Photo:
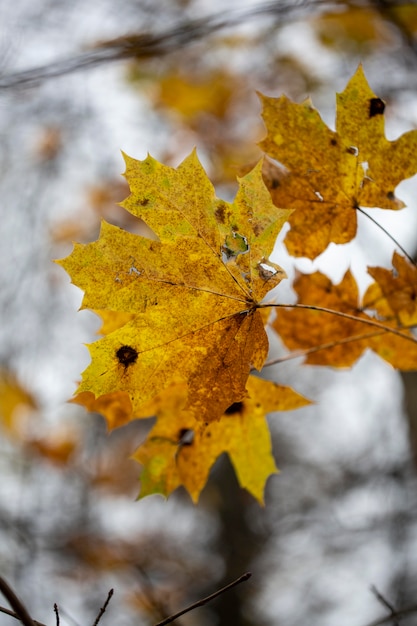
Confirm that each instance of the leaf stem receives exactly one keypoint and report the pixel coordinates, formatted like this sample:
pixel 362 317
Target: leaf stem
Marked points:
pixel 388 234
pixel 324 346
pixel 355 318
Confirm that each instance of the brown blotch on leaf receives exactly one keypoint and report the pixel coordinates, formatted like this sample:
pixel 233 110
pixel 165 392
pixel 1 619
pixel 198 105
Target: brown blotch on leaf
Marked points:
pixel 220 213
pixel 126 355
pixel 376 107
pixel 144 202
pixel 236 407
pixel 333 142
pixel 391 195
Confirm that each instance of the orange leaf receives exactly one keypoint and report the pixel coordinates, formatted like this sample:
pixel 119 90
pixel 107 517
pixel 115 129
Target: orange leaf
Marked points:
pixel 331 339
pixel 398 288
pixel 331 173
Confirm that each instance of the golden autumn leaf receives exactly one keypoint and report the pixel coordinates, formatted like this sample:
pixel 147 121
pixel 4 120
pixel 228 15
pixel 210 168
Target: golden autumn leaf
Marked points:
pixel 331 173
pixel 329 338
pixel 180 450
pixel 394 294
pixel 193 294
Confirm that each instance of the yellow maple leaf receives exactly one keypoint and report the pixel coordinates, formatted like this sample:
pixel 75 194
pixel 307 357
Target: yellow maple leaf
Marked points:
pixel 193 294
pixel 180 450
pixel 394 294
pixel 331 173
pixel 332 339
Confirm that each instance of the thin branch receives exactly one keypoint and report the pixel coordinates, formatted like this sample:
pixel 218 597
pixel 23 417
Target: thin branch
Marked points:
pixel 382 600
pixel 103 608
pixel 204 601
pixel 13 614
pixel 148 45
pixel 56 613
pixel 398 615
pixel 388 234
pixel 355 318
pixel 16 604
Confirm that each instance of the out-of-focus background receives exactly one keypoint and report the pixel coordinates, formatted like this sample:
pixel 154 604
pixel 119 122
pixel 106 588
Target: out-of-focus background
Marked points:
pixel 79 82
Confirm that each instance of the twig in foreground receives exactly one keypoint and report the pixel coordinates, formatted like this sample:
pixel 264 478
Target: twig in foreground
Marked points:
pixel 103 608
pixel 239 580
pixel 56 613
pixel 15 603
pixel 13 614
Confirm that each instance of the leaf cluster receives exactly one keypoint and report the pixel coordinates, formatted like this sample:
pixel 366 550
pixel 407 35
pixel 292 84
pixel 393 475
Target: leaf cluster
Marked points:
pixel 186 311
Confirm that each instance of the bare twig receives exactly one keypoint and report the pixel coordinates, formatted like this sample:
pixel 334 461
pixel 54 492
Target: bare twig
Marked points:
pixel 398 615
pixel 103 608
pixel 204 601
pixel 382 600
pixel 13 614
pixel 15 603
pixel 56 613
pixel 146 45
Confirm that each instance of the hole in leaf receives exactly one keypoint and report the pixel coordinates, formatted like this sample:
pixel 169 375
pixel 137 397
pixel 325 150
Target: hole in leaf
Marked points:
pixel 234 245
pixel 236 407
pixel 266 271
pixel 185 437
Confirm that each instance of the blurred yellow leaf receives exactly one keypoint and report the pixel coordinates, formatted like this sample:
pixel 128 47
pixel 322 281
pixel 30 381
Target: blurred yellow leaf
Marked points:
pixel 16 403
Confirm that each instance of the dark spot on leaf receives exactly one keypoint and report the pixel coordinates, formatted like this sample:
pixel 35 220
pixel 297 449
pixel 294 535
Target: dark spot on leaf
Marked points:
pixel 186 437
pixel 352 150
pixel 236 407
pixel 126 355
pixel 257 229
pixel 144 202
pixel 376 107
pixel 413 296
pixel 220 213
pixel 391 195
pixel 274 183
pixel 333 142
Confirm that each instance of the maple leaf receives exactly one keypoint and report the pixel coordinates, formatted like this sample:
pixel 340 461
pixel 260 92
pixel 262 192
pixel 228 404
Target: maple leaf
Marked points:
pixel 179 450
pixel 394 294
pixel 192 295
pixel 331 173
pixel 335 339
